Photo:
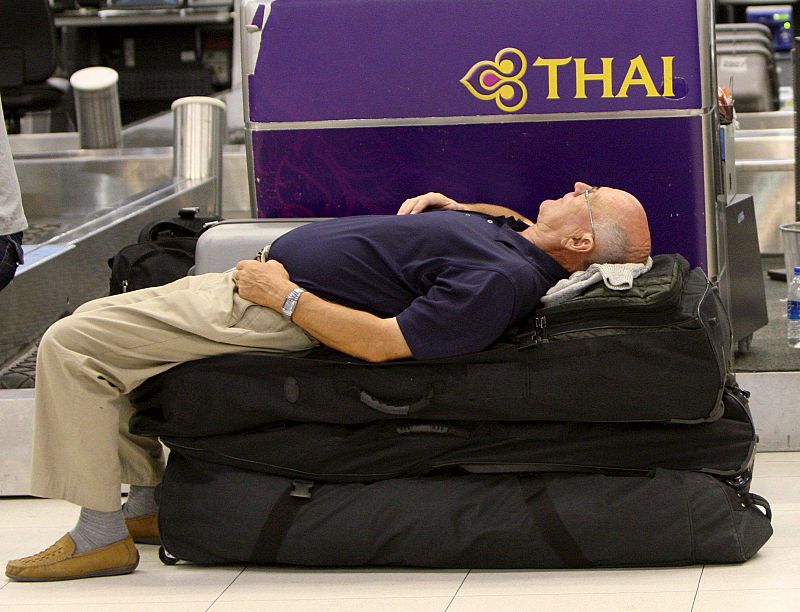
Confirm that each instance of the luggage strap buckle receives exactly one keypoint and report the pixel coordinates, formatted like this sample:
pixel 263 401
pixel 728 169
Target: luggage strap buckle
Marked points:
pixel 301 489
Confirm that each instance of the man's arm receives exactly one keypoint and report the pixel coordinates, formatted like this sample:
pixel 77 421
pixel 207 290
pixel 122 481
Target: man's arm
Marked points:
pixel 355 332
pixel 440 201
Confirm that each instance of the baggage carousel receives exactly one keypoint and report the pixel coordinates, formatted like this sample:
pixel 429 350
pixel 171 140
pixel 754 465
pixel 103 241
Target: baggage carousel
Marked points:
pixel 85 205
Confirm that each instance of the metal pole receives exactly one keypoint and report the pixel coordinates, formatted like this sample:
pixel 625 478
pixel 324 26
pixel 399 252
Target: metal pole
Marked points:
pixel 796 87
pixel 200 134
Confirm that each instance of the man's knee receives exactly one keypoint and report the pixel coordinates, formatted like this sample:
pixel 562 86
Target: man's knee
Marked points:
pixel 69 332
pixel 53 334
pixel 91 305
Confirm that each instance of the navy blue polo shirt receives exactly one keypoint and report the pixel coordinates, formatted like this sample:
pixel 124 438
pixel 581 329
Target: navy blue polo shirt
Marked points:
pixel 455 281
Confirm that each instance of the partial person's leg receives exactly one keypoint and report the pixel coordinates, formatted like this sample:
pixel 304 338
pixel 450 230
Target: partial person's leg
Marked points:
pixel 140 510
pixel 89 361
pixel 10 257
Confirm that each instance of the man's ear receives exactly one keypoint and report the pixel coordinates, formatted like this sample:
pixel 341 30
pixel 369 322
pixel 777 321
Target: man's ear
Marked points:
pixel 580 244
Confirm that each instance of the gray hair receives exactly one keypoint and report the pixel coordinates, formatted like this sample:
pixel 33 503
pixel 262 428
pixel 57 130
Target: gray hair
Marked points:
pixel 612 244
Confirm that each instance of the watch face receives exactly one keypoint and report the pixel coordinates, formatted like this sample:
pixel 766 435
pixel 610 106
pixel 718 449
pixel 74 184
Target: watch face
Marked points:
pixel 290 303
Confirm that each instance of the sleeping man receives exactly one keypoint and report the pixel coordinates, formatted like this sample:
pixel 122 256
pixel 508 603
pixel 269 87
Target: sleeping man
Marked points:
pixel 379 288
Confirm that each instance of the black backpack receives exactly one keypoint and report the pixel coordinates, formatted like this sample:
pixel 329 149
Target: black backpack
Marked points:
pixel 164 253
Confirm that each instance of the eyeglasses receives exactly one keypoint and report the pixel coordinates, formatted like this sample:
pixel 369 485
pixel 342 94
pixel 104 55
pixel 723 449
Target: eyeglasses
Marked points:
pixel 589 206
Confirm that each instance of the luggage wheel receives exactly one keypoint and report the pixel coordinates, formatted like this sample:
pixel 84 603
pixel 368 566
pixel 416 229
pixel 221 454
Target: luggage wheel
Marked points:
pixel 166 558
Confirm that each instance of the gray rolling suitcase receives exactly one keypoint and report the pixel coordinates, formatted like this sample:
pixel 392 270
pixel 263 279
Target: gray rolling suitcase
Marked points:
pixel 223 245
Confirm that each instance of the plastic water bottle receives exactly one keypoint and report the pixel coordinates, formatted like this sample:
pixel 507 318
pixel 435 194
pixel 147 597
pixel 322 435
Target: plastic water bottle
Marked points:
pixel 793 311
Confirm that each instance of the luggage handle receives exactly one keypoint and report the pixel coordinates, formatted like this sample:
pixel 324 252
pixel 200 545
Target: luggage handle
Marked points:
pixel 394 410
pixel 762 503
pixel 433 428
pixel 391 409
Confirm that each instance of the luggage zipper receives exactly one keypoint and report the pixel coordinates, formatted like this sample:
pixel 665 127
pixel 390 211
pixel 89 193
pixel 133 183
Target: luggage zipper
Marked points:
pixel 485 467
pixel 540 330
pixel 536 468
pixel 286 472
pixel 542 334
pixel 282 470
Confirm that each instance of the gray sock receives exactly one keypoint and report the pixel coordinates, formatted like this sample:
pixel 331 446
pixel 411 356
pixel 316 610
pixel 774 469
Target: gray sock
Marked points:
pixel 96 529
pixel 141 502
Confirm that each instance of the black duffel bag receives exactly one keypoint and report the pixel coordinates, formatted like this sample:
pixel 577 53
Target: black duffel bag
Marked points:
pixel 657 352
pixel 212 513
pixel 402 448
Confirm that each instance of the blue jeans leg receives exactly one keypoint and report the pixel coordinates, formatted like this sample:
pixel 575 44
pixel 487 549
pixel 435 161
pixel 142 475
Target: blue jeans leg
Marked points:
pixel 10 257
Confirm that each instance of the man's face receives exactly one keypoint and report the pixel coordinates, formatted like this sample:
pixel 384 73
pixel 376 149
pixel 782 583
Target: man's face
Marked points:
pixel 569 213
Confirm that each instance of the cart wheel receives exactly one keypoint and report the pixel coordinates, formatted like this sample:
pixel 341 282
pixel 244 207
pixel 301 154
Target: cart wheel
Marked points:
pixel 166 558
pixel 743 345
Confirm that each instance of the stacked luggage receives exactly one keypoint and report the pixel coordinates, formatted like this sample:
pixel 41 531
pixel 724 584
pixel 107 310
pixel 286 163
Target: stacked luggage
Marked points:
pixel 607 430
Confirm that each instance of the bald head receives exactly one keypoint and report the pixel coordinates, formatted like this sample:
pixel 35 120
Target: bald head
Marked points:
pixel 592 225
pixel 621 228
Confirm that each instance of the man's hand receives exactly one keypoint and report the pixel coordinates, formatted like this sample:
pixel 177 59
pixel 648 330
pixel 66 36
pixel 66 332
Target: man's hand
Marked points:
pixel 412 206
pixel 350 331
pixel 266 284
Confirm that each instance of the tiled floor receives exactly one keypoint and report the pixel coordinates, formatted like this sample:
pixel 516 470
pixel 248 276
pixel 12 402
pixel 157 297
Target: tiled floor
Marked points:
pixel 770 582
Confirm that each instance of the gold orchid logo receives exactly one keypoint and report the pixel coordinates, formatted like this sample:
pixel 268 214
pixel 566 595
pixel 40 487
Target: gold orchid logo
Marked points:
pixel 500 80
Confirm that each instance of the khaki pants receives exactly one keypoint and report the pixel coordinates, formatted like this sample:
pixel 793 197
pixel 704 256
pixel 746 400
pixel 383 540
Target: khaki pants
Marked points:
pixel 90 360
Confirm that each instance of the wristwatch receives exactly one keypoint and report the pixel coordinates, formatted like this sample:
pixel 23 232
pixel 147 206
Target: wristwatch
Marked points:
pixel 290 303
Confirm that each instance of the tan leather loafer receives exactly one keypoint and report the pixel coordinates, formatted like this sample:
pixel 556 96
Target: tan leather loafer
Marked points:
pixel 59 562
pixel 144 529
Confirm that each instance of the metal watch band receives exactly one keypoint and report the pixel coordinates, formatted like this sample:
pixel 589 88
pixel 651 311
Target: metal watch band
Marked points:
pixel 290 303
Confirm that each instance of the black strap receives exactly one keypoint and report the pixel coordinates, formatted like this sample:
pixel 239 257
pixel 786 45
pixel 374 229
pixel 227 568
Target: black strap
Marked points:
pixel 279 522
pixel 553 529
